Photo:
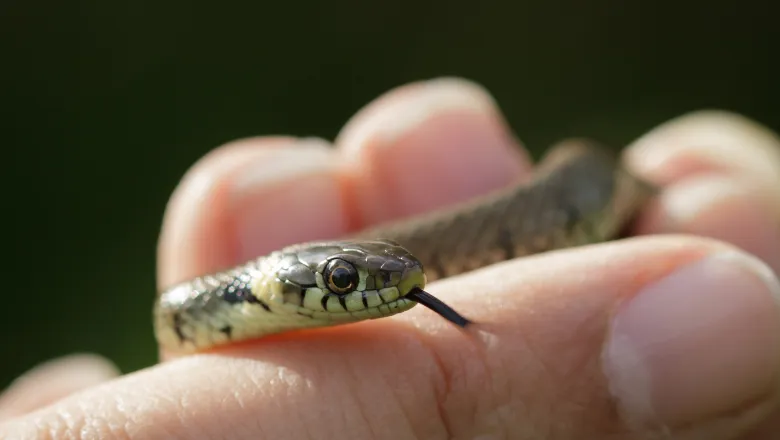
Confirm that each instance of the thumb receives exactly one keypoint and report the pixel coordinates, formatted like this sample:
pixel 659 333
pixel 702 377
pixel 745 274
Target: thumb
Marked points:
pixel 674 336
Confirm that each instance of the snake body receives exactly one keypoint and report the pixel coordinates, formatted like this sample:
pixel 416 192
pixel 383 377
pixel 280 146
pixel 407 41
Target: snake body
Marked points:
pixel 580 195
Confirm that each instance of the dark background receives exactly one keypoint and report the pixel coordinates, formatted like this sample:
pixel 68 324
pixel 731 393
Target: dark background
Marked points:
pixel 106 104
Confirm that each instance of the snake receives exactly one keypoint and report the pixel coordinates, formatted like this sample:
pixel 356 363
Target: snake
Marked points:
pixel 579 194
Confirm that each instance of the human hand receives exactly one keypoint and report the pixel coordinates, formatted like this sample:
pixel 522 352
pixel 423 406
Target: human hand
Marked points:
pixel 657 334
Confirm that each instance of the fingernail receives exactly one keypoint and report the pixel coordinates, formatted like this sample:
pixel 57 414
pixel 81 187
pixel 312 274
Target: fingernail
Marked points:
pixel 706 140
pixel 696 197
pixel 703 341
pixel 287 196
pixel 306 156
pixel 399 112
pixel 452 123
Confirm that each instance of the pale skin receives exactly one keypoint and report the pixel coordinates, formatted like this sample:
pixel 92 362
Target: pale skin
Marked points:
pixel 674 332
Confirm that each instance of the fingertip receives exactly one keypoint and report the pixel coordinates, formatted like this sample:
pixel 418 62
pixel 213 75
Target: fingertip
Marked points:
pixel 707 141
pixel 400 110
pixel 426 145
pixel 246 199
pixel 691 375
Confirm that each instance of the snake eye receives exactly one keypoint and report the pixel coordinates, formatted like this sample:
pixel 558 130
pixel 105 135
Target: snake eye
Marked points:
pixel 341 276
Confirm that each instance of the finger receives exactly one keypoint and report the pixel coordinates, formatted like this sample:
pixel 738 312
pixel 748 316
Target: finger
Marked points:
pixel 52 381
pixel 690 348
pixel 707 141
pixel 251 197
pixel 721 178
pixel 246 199
pixel 426 145
pixel 728 208
pixel 582 343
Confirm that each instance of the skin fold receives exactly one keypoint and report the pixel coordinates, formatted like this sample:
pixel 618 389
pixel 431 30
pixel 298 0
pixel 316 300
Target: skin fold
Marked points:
pixel 673 332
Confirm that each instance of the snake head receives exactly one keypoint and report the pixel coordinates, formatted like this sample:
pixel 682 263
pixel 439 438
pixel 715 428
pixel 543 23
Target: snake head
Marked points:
pixel 349 280
pixel 354 280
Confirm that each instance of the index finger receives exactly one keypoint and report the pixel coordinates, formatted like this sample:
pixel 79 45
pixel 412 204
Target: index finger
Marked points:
pixel 251 197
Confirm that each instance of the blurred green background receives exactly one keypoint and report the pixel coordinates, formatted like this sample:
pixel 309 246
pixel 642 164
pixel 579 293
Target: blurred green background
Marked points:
pixel 106 104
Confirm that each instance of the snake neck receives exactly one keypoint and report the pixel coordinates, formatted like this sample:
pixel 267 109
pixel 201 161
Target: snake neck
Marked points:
pixel 226 306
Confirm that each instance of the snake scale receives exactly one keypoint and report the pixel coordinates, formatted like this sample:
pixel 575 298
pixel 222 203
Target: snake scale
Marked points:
pixel 579 195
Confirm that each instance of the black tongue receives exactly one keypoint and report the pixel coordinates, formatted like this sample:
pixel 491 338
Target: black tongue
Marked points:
pixel 433 303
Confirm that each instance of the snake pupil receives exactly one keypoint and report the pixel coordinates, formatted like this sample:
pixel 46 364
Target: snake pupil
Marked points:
pixel 341 278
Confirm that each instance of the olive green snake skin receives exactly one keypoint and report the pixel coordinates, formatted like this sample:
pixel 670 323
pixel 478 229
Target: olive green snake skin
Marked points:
pixel 579 195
